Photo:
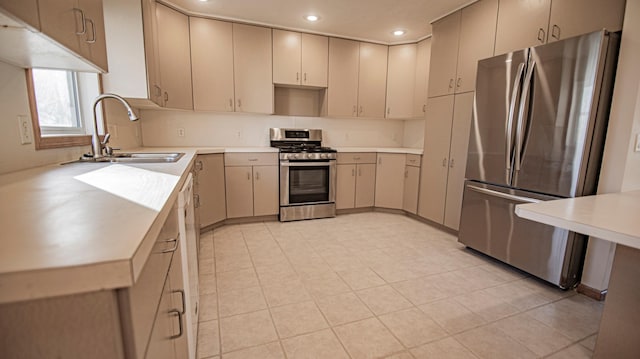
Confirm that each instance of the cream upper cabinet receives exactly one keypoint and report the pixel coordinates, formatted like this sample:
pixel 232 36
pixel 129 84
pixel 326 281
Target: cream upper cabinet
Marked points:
pixel 78 25
pixel 211 189
pixel 423 60
pixel 444 55
pixel 575 17
pixel 372 80
pixel 25 10
pixel 212 64
pixel 175 58
pixel 445 150
pixel 300 59
pixel 459 41
pixel 390 180
pixel 401 81
pixel 523 23
pixel 343 77
pixel 252 61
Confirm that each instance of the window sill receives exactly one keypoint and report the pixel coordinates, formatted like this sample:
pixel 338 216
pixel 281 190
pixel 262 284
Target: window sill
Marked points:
pixel 47 142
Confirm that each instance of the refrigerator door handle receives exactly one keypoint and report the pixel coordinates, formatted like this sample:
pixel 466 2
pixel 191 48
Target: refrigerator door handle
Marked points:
pixel 509 125
pixel 507 196
pixel 520 126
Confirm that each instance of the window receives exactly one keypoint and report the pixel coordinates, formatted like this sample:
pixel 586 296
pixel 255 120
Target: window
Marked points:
pixel 61 107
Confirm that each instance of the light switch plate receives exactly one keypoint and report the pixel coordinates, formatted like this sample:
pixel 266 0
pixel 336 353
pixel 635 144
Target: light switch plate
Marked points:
pixel 24 124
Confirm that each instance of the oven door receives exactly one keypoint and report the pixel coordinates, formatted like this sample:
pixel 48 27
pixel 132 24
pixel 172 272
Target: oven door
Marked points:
pixel 307 182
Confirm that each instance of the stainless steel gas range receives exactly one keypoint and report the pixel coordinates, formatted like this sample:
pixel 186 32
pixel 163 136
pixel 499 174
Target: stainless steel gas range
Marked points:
pixel 307 174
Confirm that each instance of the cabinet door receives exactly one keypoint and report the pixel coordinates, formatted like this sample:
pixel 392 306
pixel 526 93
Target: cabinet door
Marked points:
pixel 477 37
pixel 151 50
pixel 343 78
pixel 93 44
pixel 180 325
pixel 161 345
pixel 462 114
pixel 346 186
pixel 423 59
pixel 521 24
pixel 315 60
pixel 175 58
pixel 287 48
pixel 365 185
pixel 401 79
pixel 372 80
pixel 239 191
pixel 211 189
pixel 265 190
pixel 576 17
pixel 61 22
pixel 25 10
pixel 212 64
pixel 411 183
pixel 390 180
pixel 435 161
pixel 444 55
pixel 252 68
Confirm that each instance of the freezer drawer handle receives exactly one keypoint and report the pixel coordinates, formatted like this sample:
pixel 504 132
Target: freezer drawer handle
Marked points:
pixel 503 195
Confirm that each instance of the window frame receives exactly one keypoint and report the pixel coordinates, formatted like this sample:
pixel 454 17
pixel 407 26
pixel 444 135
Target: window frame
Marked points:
pixel 63 140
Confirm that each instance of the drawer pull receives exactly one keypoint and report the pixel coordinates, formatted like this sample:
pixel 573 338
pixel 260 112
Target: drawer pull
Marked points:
pixel 83 21
pixel 175 311
pixel 253 159
pixel 182 297
pixel 175 245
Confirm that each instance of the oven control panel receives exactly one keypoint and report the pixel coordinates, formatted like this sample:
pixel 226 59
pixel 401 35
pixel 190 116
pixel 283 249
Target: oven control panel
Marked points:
pixel 312 156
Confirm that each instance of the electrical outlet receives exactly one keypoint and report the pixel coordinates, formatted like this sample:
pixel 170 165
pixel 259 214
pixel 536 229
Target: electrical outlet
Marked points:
pixel 25 129
pixel 180 132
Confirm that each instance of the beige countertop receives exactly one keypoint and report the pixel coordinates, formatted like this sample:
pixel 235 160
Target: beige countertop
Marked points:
pixel 613 217
pixel 412 151
pixel 82 227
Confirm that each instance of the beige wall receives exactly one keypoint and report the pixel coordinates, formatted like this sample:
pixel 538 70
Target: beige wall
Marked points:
pixel 621 165
pixel 160 128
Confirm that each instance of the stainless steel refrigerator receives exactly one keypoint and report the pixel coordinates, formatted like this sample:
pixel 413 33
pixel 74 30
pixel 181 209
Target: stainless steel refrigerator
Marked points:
pixel 537 134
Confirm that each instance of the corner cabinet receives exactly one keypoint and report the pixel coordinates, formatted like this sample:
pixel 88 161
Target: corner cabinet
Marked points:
pixel 523 23
pixel 445 156
pixel 300 59
pixel 252 184
pixel 174 58
pixel 420 92
pixel 356 180
pixel 401 81
pixel 459 41
pixel 211 189
pixel 390 180
pixel 357 79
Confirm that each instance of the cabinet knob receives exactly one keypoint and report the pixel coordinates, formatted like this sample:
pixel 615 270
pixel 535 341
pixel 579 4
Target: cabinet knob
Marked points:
pixel 257 176
pixel 297 76
pixel 458 82
pixel 450 84
pixel 360 172
pixel 444 162
pixel 83 21
pixel 231 104
pixel 93 33
pixel 305 77
pixel 166 96
pixel 451 163
pixel 424 108
pixel 239 103
pixel 354 110
pixel 199 165
pixel 360 113
pixel 179 314
pixel 388 110
pixel 248 176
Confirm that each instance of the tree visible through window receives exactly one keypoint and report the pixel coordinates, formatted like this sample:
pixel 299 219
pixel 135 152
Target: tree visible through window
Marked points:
pixel 56 94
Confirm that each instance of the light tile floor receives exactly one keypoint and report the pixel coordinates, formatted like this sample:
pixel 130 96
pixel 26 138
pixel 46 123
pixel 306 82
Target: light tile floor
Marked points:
pixel 376 285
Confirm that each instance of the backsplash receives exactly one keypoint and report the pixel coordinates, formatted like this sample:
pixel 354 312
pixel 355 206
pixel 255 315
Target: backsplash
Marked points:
pixel 163 127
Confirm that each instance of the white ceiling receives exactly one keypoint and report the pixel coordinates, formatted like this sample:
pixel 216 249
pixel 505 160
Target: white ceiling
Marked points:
pixel 371 20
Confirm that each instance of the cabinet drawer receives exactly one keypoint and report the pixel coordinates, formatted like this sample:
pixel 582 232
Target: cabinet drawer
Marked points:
pixel 413 160
pixel 356 157
pixel 250 159
pixel 140 302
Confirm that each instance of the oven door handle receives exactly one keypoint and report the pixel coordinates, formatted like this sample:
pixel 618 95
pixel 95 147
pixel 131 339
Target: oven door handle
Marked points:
pixel 306 164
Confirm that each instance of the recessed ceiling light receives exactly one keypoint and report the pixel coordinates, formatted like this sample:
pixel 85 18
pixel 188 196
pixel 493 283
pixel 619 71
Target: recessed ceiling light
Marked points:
pixel 312 18
pixel 399 32
pixel 203 0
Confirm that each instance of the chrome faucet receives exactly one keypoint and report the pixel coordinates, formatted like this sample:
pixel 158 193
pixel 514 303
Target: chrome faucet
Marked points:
pixel 96 145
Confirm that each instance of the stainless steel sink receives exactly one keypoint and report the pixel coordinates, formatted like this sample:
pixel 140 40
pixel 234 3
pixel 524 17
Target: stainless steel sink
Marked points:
pixel 138 157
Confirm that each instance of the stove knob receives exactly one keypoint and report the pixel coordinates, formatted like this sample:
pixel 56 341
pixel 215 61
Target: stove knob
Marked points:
pixel 309 155
pixel 295 155
pixel 323 155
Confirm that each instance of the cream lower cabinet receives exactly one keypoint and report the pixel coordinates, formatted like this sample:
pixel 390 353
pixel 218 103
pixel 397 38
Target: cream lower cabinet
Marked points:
pixel 390 180
pixel 140 321
pixel 523 23
pixel 411 184
pixel 211 189
pixel 445 155
pixel 356 180
pixel 252 184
